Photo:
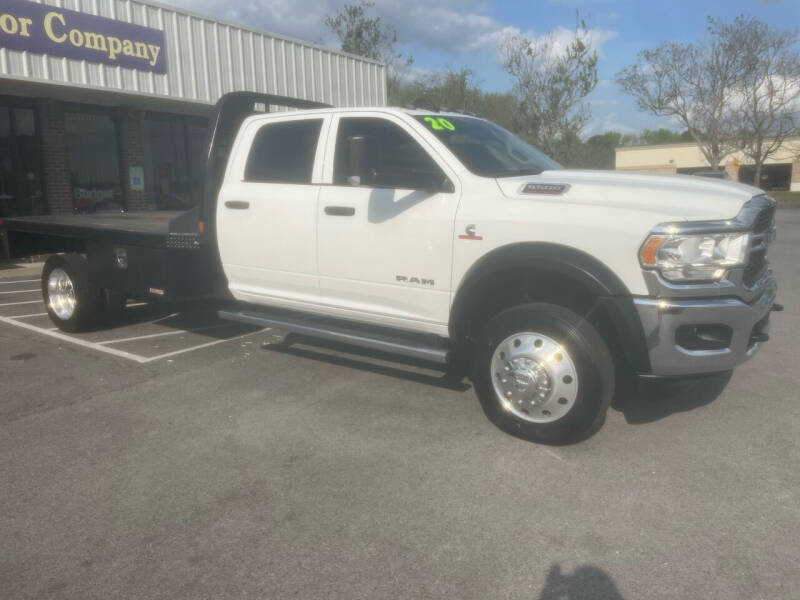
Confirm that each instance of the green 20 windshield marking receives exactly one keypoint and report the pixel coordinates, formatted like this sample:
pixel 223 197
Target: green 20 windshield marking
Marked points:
pixel 440 123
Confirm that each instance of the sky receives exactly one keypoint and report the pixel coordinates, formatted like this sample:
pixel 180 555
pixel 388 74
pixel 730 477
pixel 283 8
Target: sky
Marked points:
pixel 441 34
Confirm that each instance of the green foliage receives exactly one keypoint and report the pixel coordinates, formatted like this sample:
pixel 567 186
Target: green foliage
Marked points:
pixel 546 108
pixel 661 136
pixel 361 34
pixel 551 87
pixel 458 90
pixel 366 36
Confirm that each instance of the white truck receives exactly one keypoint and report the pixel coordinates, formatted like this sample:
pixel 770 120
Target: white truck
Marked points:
pixel 442 237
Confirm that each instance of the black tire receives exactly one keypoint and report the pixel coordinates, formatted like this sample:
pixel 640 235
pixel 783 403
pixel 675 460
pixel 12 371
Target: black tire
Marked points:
pixel 588 353
pixel 89 300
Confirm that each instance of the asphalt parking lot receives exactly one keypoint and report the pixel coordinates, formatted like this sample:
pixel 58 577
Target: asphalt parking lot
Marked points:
pixel 178 456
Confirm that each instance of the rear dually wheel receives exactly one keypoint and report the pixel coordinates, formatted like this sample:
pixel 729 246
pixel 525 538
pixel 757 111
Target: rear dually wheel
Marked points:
pixel 72 302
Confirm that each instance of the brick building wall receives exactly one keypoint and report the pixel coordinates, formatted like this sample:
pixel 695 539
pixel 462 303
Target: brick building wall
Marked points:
pixel 55 162
pixel 131 138
pixel 55 168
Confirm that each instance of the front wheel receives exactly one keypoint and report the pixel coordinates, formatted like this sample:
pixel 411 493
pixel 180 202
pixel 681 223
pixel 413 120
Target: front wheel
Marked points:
pixel 543 373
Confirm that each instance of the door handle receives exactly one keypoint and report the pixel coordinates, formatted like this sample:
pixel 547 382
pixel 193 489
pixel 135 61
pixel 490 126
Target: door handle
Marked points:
pixel 237 205
pixel 340 211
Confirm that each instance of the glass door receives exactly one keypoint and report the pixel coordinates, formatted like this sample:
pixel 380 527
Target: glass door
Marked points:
pixel 174 160
pixel 93 154
pixel 20 171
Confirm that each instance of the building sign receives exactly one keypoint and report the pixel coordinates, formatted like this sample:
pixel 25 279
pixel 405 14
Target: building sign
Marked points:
pixel 56 31
pixel 136 176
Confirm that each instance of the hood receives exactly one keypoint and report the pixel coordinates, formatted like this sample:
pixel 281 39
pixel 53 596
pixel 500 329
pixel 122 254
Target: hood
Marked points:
pixel 680 197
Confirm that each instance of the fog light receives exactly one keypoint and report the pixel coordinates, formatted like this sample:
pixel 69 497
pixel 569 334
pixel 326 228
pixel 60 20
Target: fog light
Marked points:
pixel 704 337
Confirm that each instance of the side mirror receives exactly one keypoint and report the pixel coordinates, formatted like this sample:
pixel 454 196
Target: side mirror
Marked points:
pixel 447 186
pixel 357 155
pixel 436 183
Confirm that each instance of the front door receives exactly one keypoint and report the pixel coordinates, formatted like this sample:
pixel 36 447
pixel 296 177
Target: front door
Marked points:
pixel 20 173
pixel 385 237
pixel 267 212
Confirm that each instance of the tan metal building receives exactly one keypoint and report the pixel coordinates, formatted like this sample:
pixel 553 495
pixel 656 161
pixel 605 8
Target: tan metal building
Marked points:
pixel 781 171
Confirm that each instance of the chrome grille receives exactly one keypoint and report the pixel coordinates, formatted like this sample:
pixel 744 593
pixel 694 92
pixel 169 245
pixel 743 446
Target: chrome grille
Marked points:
pixel 763 232
pixel 765 220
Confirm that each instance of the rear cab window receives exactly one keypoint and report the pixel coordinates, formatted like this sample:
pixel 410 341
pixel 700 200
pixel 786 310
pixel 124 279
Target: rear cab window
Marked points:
pixel 284 152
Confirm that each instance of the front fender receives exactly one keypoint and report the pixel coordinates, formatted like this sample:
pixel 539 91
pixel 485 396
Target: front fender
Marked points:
pixel 563 262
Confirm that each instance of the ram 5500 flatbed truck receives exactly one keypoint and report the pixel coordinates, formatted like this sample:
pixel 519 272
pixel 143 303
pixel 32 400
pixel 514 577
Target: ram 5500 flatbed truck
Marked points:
pixel 441 237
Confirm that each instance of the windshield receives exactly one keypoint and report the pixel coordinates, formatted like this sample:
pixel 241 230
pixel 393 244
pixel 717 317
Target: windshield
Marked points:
pixel 487 149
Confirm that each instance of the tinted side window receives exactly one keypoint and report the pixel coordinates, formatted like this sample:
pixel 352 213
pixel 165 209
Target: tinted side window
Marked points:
pixel 284 152
pixel 394 158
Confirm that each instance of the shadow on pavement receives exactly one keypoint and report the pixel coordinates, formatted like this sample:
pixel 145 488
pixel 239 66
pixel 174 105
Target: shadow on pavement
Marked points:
pixel 587 582
pixel 646 401
pixel 185 315
pixel 7 265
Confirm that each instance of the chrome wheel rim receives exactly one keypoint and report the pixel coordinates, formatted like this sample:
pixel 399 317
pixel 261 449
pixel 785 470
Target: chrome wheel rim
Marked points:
pixel 61 294
pixel 534 377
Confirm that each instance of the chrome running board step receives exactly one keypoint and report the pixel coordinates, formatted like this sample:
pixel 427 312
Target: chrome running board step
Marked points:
pixel 420 347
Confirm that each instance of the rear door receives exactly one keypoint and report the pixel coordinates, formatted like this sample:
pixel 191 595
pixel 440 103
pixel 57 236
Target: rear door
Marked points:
pixel 386 238
pixel 267 211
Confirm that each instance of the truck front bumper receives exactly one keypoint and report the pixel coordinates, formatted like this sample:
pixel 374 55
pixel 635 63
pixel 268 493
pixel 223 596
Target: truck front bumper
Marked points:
pixel 693 337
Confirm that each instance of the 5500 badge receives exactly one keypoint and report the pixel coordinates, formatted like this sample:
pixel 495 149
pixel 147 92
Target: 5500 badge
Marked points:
pixel 44 29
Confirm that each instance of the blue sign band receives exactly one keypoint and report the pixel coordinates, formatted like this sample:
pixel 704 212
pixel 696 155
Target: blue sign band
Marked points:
pixel 44 29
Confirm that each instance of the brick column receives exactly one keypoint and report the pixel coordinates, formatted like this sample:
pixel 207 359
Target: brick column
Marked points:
pixel 131 134
pixel 57 186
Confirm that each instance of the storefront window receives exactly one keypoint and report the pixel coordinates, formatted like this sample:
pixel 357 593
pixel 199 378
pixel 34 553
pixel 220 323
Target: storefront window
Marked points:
pixel 174 155
pixel 93 154
pixel 20 173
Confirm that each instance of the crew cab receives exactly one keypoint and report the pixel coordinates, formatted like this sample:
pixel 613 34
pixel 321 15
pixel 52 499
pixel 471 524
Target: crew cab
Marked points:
pixel 442 237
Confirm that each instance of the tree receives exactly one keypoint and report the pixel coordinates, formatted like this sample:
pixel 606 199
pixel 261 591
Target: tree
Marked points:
pixel 366 36
pixel 601 149
pixel 457 89
pixel 694 83
pixel 661 136
pixel 768 89
pixel 550 86
pixel 361 34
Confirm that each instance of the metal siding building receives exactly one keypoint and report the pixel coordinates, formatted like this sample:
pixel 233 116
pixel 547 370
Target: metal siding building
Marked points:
pixel 81 131
pixel 207 58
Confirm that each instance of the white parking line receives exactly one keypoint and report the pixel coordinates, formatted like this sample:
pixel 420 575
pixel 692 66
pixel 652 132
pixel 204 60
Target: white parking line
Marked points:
pixel 164 318
pixel 104 346
pixel 206 345
pixel 155 335
pixel 17 303
pixel 30 315
pixel 18 281
pixel 20 291
pixel 66 338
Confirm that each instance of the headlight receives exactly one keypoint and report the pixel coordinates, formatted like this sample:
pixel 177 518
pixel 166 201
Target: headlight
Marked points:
pixel 702 257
